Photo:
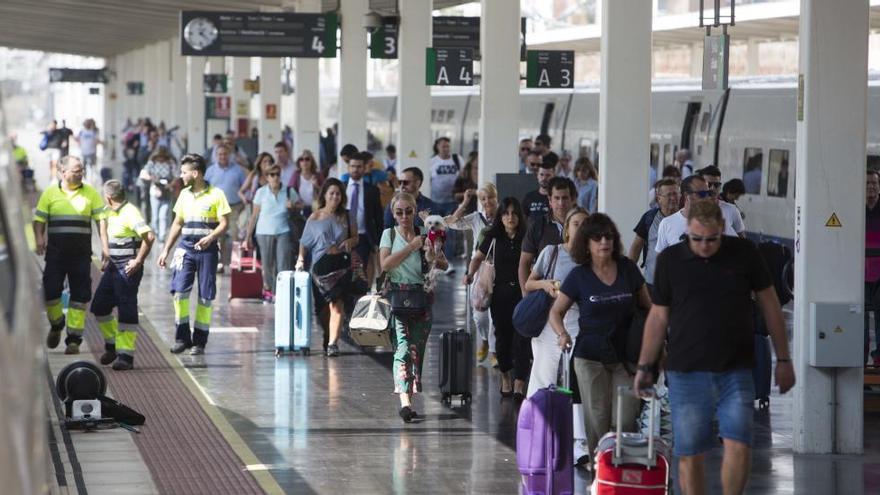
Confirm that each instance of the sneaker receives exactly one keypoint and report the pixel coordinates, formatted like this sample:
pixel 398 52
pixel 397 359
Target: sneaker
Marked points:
pixel 581 453
pixel 483 351
pixel 332 350
pixel 180 346
pixel 72 348
pixel 122 364
pixel 108 357
pixel 53 339
pixel 197 350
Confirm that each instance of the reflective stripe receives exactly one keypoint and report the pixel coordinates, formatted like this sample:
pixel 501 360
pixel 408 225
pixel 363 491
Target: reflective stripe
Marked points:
pixel 122 252
pixel 200 219
pixel 140 225
pixel 107 317
pixel 78 305
pixel 202 326
pixel 70 230
pixel 205 302
pixel 98 210
pixel 128 327
pixel 123 240
pixel 41 214
pixel 181 295
pixel 189 231
pixel 81 218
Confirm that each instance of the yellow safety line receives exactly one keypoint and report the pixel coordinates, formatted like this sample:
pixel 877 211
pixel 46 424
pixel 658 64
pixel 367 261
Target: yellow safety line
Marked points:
pixel 263 477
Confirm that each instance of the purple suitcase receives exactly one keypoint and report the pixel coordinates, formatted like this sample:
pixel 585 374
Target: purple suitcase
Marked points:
pixel 545 440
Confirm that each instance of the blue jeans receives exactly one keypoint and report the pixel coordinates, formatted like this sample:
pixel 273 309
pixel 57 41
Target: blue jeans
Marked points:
pixel 160 216
pixel 696 397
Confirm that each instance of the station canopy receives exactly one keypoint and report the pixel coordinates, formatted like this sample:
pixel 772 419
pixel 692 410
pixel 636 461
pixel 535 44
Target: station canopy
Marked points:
pixel 104 28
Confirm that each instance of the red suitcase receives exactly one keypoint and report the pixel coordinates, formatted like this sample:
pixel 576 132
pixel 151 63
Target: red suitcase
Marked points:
pixel 246 277
pixel 632 463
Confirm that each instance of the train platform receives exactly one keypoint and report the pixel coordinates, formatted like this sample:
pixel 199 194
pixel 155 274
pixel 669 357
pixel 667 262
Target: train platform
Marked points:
pixel 239 420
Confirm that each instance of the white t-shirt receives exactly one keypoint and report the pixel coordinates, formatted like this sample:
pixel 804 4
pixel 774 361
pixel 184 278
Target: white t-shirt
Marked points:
pixel 732 217
pixel 674 226
pixel 306 191
pixel 444 171
pixel 475 222
pixel 88 141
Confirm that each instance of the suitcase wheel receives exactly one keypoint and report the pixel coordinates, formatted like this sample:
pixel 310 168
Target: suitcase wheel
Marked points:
pixel 465 399
pixel 306 351
pixel 446 399
pixel 764 403
pixel 279 351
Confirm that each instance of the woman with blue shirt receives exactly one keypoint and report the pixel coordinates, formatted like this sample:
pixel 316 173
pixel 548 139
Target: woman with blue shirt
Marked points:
pixel 270 210
pixel 586 180
pixel 606 287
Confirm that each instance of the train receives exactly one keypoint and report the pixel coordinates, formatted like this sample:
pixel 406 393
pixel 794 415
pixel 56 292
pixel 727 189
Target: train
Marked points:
pixel 748 131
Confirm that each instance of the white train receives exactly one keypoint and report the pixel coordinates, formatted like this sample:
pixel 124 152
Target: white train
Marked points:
pixel 748 130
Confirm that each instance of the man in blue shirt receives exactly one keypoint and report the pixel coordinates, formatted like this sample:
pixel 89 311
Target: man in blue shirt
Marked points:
pixel 410 182
pixel 228 177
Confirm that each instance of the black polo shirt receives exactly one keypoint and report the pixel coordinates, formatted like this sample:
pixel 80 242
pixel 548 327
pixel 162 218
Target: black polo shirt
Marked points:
pixel 543 231
pixel 710 308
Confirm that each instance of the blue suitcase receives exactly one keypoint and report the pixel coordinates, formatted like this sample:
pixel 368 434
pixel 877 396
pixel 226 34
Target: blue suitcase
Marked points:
pixel 293 312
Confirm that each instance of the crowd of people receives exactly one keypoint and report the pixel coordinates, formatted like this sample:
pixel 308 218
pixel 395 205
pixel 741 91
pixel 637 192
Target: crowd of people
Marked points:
pixel 360 224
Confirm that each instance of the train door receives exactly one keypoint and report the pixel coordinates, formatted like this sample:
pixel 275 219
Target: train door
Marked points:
pixel 691 124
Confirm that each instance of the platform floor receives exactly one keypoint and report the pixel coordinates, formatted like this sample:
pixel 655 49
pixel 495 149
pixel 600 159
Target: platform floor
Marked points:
pixel 320 425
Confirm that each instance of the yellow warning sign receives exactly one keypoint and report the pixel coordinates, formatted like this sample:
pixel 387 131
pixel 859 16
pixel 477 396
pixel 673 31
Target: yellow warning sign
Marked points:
pixel 833 221
pixel 412 154
pixel 838 329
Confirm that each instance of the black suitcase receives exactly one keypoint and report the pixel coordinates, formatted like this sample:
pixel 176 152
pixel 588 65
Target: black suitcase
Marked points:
pixel 762 370
pixel 456 366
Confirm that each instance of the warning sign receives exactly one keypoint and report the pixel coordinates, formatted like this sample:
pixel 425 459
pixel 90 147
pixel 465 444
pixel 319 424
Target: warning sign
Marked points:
pixel 833 221
pixel 412 154
pixel 838 329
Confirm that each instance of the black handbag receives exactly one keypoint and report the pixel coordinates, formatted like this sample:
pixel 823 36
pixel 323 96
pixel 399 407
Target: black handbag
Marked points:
pixel 408 302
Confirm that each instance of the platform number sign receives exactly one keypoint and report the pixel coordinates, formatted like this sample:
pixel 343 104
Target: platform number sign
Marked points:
pixel 550 69
pixel 383 42
pixel 449 67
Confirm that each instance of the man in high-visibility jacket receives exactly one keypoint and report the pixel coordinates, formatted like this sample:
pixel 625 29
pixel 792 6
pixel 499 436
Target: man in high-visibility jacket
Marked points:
pixel 63 232
pixel 130 240
pixel 201 218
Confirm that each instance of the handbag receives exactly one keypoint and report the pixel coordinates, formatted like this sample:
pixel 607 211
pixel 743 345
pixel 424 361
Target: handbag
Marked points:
pixel 332 270
pixel 484 281
pixel 296 223
pixel 370 323
pixel 412 301
pixel 531 313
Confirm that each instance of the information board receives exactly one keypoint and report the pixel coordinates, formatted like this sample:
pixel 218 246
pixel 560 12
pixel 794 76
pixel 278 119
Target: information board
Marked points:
pixel 218 107
pixel 383 42
pixel 135 87
pixel 464 32
pixel 57 75
pixel 449 67
pixel 258 34
pixel 550 69
pixel 214 83
pixel 716 61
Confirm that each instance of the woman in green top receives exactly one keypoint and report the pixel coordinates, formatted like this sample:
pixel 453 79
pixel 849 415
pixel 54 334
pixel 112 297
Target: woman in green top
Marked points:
pixel 401 259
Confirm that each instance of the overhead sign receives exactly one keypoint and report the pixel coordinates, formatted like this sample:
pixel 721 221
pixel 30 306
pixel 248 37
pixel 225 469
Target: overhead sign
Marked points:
pixel 716 61
pixel 252 85
pixel 258 34
pixel 550 69
pixel 383 42
pixel 78 75
pixel 94 91
pixel 217 107
pixel 214 83
pixel 464 32
pixel 135 87
pixel 449 67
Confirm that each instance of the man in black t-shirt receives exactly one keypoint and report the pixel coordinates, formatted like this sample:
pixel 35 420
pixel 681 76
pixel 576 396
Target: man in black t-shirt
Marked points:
pixel 546 230
pixel 702 294
pixel 537 203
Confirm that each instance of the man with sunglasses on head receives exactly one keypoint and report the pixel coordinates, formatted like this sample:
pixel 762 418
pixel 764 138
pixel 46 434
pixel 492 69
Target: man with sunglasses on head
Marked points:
pixel 648 227
pixel 732 217
pixel 702 310
pixel 410 182
pixel 525 146
pixel 672 229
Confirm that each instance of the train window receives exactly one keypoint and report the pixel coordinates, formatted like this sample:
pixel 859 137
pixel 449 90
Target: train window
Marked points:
pixel 777 174
pixel 753 161
pixel 667 155
pixel 873 162
pixel 7 272
pixel 704 122
pixel 655 155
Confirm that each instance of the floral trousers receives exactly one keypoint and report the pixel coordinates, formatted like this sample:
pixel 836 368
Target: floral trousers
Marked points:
pixel 412 338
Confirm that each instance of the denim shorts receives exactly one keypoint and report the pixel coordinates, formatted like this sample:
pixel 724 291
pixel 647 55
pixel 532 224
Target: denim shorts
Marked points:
pixel 696 397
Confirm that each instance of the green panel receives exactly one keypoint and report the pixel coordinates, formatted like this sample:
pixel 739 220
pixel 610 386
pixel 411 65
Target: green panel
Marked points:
pixel 330 41
pixel 430 66
pixel 377 50
pixel 532 69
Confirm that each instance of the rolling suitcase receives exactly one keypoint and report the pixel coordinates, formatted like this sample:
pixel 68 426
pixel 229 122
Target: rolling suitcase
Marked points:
pixel 293 312
pixel 246 279
pixel 545 439
pixel 631 463
pixel 762 370
pixel 456 366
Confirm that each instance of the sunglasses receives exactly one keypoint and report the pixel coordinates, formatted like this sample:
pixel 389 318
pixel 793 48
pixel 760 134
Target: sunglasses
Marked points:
pixel 704 194
pixel 273 174
pixel 707 239
pixel 405 182
pixel 404 213
pixel 602 235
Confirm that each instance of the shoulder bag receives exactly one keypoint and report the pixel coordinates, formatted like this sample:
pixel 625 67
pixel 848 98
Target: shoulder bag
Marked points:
pixel 484 281
pixel 531 313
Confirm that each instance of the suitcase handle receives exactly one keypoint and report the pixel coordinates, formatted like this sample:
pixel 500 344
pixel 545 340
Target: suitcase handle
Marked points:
pixel 618 445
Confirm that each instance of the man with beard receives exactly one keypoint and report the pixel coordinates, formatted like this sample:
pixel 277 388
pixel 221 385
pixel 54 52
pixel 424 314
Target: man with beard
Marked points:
pixel 536 203
pixel 201 218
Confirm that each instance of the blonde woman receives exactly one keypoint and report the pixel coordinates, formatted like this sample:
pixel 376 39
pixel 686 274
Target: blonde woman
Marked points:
pixel 476 222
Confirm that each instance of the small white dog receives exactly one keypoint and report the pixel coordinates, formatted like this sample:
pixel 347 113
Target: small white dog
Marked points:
pixel 436 235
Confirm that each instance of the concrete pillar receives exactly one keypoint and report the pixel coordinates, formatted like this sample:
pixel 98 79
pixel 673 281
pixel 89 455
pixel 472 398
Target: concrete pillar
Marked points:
pixel 270 99
pixel 135 72
pixel 180 98
pixel 306 124
pixel 697 59
pixel 118 84
pixel 753 57
pixel 624 110
pixel 353 76
pixel 499 99
pixel 195 71
pixel 110 128
pixel 163 82
pixel 413 95
pixel 828 404
pixel 241 70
